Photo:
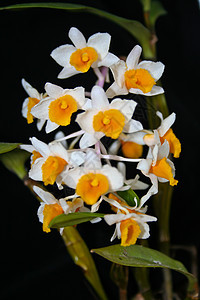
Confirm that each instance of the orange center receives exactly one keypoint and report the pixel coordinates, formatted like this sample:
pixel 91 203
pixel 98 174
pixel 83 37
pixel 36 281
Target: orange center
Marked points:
pixel 50 211
pixel 91 186
pixel 52 167
pixel 174 143
pixel 131 149
pixel 35 156
pixel 110 122
pixel 130 230
pixel 139 79
pixel 61 109
pixel 162 169
pixel 83 58
pixel 31 103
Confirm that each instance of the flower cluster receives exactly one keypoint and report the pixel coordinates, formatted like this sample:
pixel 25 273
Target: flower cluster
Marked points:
pixel 85 165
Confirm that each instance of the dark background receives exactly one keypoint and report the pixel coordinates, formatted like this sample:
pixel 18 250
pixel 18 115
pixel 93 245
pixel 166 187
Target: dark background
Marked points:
pixel 35 263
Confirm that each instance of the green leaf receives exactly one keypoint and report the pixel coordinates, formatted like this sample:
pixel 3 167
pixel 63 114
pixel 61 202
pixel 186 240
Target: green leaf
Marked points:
pixel 135 28
pixel 156 11
pixel 6 147
pixel 14 161
pixel 139 256
pixel 130 197
pixel 71 219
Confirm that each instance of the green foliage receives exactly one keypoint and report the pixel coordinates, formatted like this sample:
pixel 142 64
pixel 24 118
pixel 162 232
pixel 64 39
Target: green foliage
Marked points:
pixel 135 28
pixel 6 147
pixel 130 197
pixel 71 219
pixel 14 160
pixel 139 256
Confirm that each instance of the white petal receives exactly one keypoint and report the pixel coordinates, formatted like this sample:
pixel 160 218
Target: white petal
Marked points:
pixel 72 177
pixel 100 42
pixel 95 207
pixel 28 148
pixel 108 60
pixel 51 126
pixel 32 92
pixel 144 227
pixel 118 71
pixel 163 150
pixel 77 38
pixel 41 110
pixel 113 149
pixel 133 57
pixel 40 146
pixel 144 165
pixel 115 90
pixel 57 149
pixel 68 72
pixel 115 234
pixel 135 137
pixel 115 178
pixel 114 218
pixel 122 168
pixel 155 68
pixel 152 191
pixel 126 107
pixel 59 135
pixel 40 123
pixel 53 90
pixel 36 170
pixel 77 158
pixel 45 196
pixel 25 108
pixel 166 123
pixel 40 212
pixel 154 91
pixel 99 98
pixel 85 121
pixel 62 54
pixel 87 140
pixel 78 94
pixel 92 160
pixel 132 126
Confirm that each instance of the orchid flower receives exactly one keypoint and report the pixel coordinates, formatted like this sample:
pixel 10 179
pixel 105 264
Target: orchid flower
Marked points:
pixel 51 207
pixel 106 119
pixel 78 58
pixel 93 180
pixel 131 222
pixel 158 167
pixel 49 161
pixel 34 98
pixel 59 106
pixel 136 77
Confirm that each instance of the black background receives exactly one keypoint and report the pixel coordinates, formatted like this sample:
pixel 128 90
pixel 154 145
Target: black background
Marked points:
pixel 34 263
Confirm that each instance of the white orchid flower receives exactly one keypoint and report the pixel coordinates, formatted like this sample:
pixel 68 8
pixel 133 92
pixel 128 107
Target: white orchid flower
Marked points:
pixel 50 161
pixel 106 119
pixel 51 207
pixel 164 132
pixel 131 222
pixel 78 58
pixel 34 98
pixel 59 106
pixel 93 180
pixel 136 77
pixel 158 167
